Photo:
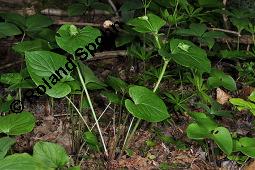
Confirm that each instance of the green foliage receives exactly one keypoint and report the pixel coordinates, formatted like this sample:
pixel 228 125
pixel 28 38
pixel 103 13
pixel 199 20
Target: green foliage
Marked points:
pixel 8 29
pixel 50 154
pixel 200 31
pixel 149 23
pixel 46 156
pixel 91 140
pixel 165 35
pixel 43 64
pixel 5 145
pixel 82 6
pixel 205 127
pixel 219 78
pixel 112 97
pixel 70 38
pixel 17 124
pixel 117 84
pixel 22 161
pixel 34 45
pixel 146 105
pixel 36 22
pixel 245 105
pixel 91 81
pixel 186 54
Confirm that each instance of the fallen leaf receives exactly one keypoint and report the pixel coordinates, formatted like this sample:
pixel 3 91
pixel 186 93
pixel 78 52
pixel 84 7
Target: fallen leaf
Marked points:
pixel 221 96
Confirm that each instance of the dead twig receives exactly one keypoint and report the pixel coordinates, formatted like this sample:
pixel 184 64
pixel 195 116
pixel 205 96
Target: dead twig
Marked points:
pixel 61 22
pixel 10 65
pixel 225 30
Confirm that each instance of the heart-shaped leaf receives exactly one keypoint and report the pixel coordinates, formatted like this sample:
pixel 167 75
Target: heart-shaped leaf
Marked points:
pixel 223 139
pixel 71 38
pixel 5 145
pixel 44 65
pixel 147 23
pixel 17 124
pixel 147 105
pixel 51 154
pixel 187 54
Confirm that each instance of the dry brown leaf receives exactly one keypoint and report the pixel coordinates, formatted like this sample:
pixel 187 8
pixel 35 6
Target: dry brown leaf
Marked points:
pixel 221 96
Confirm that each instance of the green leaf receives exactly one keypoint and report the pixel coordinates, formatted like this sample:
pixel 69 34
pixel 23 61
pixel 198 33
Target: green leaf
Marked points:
pixel 247 146
pixel 242 104
pixel 139 52
pixel 210 3
pixel 117 84
pixel 194 30
pixel 148 23
pixel 46 34
pixel 15 18
pixel 219 78
pixel 223 139
pixel 102 6
pixel 76 9
pixel 17 124
pixel 71 43
pixel 236 54
pixel 8 29
pixel 36 22
pixel 240 23
pixel 147 105
pixel 22 161
pixel 43 64
pixel 5 145
pixel 11 78
pixel 112 97
pixel 187 54
pixel 74 168
pixel 90 138
pixel 203 120
pixel 124 39
pixel 33 45
pixel 252 96
pixel 51 154
pixel 194 131
pixel 91 81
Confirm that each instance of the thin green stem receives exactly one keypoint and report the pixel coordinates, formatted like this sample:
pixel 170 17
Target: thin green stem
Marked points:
pixel 157 40
pixel 238 43
pixel 253 38
pixel 126 143
pixel 161 75
pixel 70 101
pixel 92 110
